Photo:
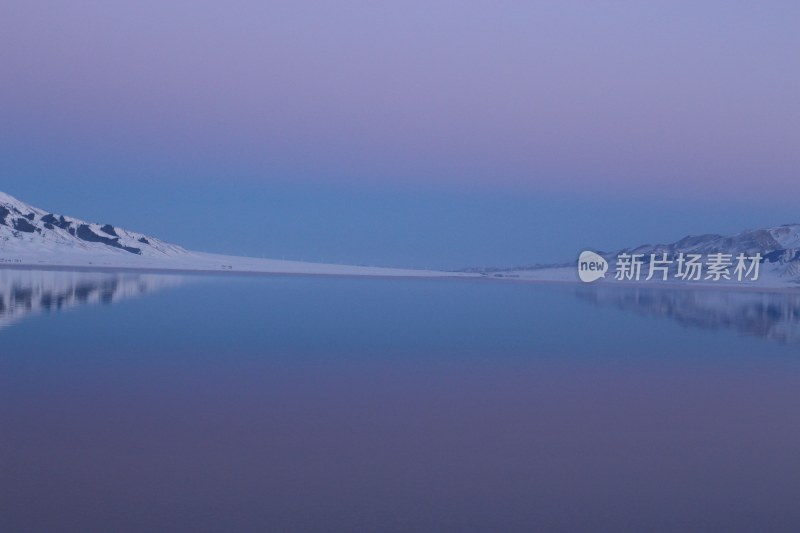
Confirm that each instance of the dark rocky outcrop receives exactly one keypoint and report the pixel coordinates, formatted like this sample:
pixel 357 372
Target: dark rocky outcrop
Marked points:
pixel 109 230
pixel 85 233
pixel 22 224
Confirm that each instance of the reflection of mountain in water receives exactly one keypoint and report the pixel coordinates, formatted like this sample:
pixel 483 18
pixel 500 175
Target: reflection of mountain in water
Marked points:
pixel 25 292
pixel 772 316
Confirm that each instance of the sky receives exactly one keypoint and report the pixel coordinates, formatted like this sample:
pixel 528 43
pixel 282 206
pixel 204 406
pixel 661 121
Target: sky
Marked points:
pixel 416 133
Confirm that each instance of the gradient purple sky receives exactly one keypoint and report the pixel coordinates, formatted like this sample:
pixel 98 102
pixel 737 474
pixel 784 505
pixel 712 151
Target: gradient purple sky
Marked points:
pixel 656 102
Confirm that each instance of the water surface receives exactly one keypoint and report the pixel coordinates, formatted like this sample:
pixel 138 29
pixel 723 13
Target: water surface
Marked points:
pixel 150 403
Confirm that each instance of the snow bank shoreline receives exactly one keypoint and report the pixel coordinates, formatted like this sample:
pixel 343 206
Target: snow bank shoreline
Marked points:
pixel 195 263
pixel 203 263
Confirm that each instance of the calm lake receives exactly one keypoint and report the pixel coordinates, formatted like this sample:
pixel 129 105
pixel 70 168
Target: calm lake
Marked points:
pixel 142 402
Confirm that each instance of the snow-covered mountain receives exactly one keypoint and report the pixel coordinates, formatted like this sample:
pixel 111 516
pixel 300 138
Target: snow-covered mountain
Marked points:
pixel 33 237
pixel 24 228
pixel 779 248
pixel 779 244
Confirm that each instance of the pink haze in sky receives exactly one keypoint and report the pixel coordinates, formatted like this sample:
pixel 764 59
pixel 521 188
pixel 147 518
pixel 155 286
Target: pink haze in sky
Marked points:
pixel 682 98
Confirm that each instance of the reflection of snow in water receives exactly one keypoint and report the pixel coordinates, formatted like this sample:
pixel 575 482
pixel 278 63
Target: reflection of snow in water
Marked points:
pixel 769 315
pixel 27 292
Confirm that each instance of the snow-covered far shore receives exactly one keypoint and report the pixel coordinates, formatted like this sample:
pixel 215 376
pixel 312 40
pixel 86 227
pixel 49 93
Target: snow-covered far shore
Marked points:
pixel 770 255
pixel 205 263
pixel 31 237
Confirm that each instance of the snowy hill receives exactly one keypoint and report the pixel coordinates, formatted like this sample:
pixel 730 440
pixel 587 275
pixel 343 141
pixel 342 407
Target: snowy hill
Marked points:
pixel 778 246
pixel 767 240
pixel 24 228
pixel 30 236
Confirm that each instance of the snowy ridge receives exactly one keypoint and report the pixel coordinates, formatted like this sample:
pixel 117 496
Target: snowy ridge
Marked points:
pixel 779 248
pixel 24 228
pixel 30 236
pixel 786 237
